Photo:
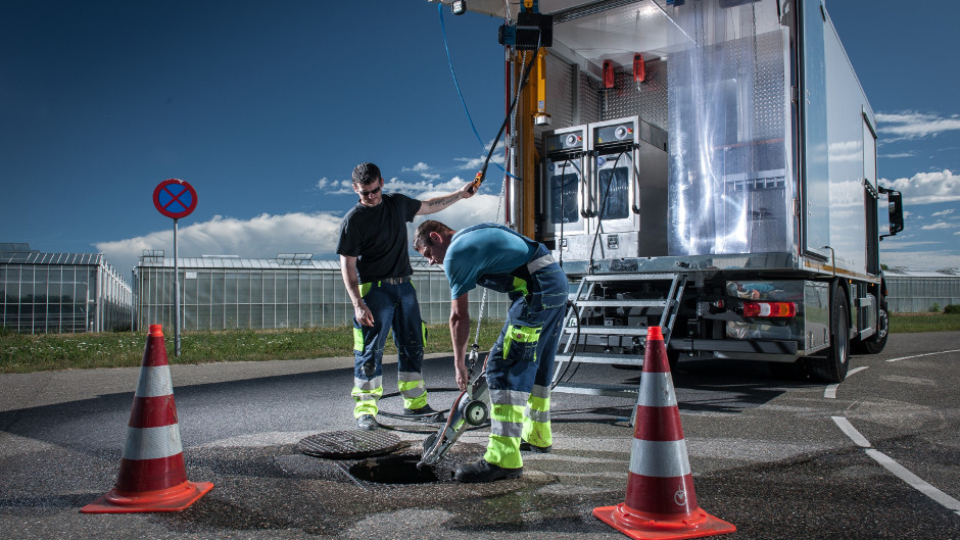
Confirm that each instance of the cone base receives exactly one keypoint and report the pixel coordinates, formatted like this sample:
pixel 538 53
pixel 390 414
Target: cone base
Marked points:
pixel 643 526
pixel 174 499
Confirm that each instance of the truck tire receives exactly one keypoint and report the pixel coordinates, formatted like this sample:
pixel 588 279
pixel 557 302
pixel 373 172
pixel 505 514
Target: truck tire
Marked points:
pixel 832 368
pixel 875 343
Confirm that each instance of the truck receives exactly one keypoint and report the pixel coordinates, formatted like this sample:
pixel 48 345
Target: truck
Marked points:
pixel 705 166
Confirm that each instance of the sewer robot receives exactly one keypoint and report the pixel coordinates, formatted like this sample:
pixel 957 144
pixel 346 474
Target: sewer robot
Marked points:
pixel 469 409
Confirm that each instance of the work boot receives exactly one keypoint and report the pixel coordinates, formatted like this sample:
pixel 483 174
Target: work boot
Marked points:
pixel 426 413
pixel 367 422
pixel 528 447
pixel 482 471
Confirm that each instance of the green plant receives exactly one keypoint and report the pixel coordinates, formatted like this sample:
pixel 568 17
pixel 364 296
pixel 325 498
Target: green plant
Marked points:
pixel 952 309
pixel 935 308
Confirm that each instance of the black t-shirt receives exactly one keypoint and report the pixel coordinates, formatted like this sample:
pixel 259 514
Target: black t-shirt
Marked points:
pixel 378 237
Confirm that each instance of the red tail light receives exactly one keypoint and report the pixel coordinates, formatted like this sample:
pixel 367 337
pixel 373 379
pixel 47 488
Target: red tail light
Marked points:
pixel 770 310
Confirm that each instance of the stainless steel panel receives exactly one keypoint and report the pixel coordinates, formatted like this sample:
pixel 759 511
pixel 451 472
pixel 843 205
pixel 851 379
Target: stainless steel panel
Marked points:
pixel 816 316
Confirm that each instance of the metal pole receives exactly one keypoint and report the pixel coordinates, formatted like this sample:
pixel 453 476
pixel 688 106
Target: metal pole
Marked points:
pixel 176 294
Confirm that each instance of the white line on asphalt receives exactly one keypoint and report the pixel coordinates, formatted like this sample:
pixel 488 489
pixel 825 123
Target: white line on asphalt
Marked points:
pixel 919 355
pixel 915 481
pixel 898 470
pixel 830 392
pixel 846 427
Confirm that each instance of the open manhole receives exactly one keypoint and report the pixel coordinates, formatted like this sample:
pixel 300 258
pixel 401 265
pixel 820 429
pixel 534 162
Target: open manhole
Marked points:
pixel 399 469
pixel 350 444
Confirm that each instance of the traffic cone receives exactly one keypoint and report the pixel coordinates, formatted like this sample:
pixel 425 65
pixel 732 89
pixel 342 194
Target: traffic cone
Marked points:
pixel 660 502
pixel 153 477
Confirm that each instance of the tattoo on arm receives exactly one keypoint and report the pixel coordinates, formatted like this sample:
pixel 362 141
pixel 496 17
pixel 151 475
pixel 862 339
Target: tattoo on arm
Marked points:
pixel 444 201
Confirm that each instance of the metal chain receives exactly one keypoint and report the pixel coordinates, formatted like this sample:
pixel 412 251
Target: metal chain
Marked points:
pixel 503 191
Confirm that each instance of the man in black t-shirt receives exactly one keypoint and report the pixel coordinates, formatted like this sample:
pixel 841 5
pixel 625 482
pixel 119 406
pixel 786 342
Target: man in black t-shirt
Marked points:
pixel 375 266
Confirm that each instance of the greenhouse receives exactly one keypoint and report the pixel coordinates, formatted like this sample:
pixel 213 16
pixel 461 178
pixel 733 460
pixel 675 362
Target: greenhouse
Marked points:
pixel 293 290
pixel 61 292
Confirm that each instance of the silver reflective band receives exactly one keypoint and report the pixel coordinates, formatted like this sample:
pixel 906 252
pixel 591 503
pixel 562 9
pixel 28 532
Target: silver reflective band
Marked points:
pixel 656 390
pixel 152 443
pixel 508 397
pixel 372 384
pixel 505 429
pixel 542 417
pixel 659 459
pixel 154 381
pixel 537 264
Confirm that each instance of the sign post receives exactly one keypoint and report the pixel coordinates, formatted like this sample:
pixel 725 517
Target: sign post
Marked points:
pixel 175 199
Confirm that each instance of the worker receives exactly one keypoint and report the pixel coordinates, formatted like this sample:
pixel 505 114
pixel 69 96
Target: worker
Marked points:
pixel 376 271
pixel 519 366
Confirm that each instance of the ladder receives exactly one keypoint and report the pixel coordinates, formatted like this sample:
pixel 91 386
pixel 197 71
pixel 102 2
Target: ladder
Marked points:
pixel 624 305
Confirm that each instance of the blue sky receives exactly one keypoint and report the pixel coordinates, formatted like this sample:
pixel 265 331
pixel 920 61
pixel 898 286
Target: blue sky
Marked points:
pixel 265 108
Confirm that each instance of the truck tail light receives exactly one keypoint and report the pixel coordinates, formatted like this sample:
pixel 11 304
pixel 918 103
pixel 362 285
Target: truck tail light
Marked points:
pixel 770 310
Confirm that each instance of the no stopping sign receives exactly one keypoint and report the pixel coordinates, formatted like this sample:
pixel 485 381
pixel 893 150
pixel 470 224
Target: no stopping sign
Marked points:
pixel 175 198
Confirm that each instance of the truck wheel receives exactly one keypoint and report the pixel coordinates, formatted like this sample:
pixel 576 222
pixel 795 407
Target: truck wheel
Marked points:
pixel 875 343
pixel 833 367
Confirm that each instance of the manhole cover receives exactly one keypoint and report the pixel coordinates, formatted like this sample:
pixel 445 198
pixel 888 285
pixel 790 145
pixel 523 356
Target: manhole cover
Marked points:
pixel 350 444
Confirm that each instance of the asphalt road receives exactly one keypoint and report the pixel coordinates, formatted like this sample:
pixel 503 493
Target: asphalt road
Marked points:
pixel 875 457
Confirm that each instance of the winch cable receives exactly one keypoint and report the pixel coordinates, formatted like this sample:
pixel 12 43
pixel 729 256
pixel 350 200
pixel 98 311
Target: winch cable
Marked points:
pixel 456 84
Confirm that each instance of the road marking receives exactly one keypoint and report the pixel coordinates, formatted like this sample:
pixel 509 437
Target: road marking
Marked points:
pixel 915 481
pixel 830 392
pixel 898 470
pixel 919 355
pixel 846 427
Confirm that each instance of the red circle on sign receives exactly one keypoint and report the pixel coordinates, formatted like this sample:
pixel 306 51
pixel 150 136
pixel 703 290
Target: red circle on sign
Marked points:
pixel 175 198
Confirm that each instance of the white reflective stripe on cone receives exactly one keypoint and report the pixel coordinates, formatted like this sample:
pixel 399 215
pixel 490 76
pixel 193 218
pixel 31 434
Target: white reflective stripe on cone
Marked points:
pixel 660 459
pixel 155 381
pixel 153 443
pixel 656 390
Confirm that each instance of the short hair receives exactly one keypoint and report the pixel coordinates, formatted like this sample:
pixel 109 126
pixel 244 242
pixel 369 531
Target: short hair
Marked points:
pixel 422 236
pixel 365 173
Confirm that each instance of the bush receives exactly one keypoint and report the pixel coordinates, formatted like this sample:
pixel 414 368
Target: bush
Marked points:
pixel 935 308
pixel 953 309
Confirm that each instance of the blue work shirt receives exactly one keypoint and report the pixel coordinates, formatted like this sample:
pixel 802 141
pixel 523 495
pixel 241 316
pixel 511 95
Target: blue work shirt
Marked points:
pixel 484 250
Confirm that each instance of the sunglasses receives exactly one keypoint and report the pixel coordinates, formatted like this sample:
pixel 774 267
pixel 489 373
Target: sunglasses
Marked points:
pixel 369 193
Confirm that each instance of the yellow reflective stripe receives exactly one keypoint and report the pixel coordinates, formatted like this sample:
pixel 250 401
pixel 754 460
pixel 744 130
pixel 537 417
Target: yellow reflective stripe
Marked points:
pixel 537 433
pixel 520 334
pixel 366 401
pixel 520 285
pixel 539 403
pixel 358 340
pixel 424 329
pixel 407 386
pixel 365 288
pixel 507 413
pixel 504 452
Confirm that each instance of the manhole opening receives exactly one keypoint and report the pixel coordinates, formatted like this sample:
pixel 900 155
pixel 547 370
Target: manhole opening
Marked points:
pixel 396 469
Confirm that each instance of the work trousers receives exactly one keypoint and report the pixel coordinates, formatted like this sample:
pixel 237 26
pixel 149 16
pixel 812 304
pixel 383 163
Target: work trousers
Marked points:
pixel 394 306
pixel 520 366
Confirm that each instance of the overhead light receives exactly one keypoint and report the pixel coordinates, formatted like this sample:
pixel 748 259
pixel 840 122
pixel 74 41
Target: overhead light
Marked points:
pixel 459 7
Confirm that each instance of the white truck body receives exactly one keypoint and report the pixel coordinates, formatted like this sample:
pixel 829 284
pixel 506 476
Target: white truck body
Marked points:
pixel 708 166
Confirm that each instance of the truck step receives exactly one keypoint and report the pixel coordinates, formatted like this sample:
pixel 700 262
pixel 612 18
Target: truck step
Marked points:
pixel 600 358
pixel 607 330
pixel 607 390
pixel 621 303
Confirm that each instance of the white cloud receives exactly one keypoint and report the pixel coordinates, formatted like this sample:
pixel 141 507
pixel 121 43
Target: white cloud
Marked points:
pixel 940 225
pixel 928 187
pixel 946 212
pixel 263 236
pixel 914 125
pixel 322 183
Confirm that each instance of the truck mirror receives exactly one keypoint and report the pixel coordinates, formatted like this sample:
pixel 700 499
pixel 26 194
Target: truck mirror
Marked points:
pixel 895 209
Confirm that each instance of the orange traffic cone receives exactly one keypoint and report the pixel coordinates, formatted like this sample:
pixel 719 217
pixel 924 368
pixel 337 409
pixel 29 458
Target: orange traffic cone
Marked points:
pixel 153 477
pixel 661 502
